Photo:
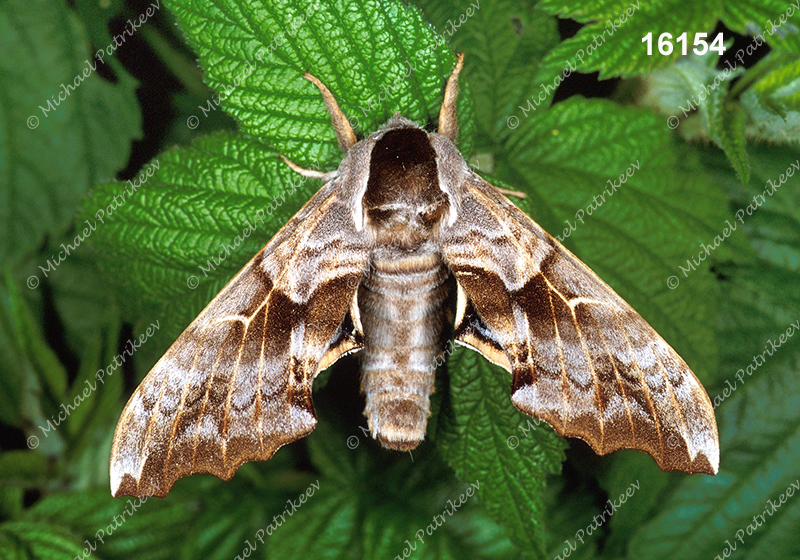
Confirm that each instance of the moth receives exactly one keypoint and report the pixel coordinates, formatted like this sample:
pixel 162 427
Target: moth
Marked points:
pixel 402 238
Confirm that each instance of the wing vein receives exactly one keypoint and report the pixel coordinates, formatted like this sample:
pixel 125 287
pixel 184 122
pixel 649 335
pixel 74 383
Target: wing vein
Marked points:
pixel 617 376
pixel 564 377
pixel 645 389
pixel 590 362
pixel 181 407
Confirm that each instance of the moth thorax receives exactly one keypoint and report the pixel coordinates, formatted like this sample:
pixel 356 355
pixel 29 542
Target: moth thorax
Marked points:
pixel 403 200
pixel 402 303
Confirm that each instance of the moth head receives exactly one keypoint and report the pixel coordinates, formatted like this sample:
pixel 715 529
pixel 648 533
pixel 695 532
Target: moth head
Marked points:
pixel 402 199
pixel 394 173
pixel 405 190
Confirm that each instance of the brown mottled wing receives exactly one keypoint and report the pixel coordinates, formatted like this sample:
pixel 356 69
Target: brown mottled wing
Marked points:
pixel 582 359
pixel 236 385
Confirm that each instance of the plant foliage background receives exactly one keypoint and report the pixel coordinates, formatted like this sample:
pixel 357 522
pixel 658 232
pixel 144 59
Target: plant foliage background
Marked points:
pixel 200 98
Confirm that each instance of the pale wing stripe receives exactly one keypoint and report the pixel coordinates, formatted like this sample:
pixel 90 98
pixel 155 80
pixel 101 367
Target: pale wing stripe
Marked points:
pixel 181 406
pixel 199 422
pixel 596 380
pixel 538 230
pixel 283 272
pixel 231 385
pixel 157 442
pixel 565 409
pixel 260 374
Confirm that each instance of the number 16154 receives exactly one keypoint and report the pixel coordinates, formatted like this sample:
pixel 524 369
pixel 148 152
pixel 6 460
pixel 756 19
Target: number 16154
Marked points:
pixel 701 46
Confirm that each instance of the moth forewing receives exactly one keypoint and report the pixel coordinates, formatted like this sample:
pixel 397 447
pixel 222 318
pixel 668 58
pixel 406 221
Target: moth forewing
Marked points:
pixel 236 385
pixel 582 359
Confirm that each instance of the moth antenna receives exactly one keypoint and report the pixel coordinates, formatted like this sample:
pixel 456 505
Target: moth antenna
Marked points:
pixel 310 173
pixel 507 192
pixel 344 132
pixel 448 120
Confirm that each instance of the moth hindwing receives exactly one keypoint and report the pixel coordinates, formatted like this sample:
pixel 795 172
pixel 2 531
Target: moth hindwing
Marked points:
pixel 401 240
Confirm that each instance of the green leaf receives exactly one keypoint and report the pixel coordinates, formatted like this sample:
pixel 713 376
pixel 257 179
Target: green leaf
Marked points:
pixel 52 151
pixel 35 541
pixel 124 528
pixel 727 130
pixel 373 503
pixel 32 379
pixel 218 516
pixel 773 227
pixel 773 20
pixel 759 438
pixel 376 58
pixel 568 512
pixel 11 501
pixel 228 516
pixel 96 16
pixel 695 82
pixel 766 125
pixel 763 104
pixel 81 295
pixel 481 435
pixel 773 101
pixel 90 425
pixel 634 473
pixel 30 337
pixel 21 468
pixel 326 525
pixel 688 85
pixel 782 83
pixel 14 371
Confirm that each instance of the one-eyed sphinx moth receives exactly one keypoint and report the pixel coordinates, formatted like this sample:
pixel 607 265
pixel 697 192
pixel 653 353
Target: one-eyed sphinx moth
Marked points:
pixel 401 238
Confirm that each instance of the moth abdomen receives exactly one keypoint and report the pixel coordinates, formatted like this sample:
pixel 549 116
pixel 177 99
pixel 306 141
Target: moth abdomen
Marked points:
pixel 402 302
